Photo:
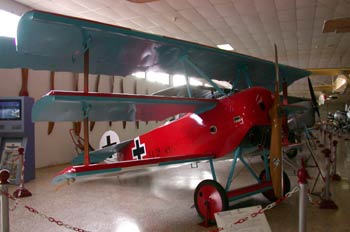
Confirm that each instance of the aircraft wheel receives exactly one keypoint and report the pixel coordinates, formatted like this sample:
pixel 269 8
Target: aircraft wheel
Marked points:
pixel 209 198
pixel 291 153
pixel 269 194
pixel 292 138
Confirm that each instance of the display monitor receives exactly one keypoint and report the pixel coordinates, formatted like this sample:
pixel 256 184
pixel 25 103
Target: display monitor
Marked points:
pixel 11 109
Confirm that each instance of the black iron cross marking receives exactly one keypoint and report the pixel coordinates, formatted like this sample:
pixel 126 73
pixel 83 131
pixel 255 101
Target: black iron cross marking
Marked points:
pixel 108 142
pixel 139 150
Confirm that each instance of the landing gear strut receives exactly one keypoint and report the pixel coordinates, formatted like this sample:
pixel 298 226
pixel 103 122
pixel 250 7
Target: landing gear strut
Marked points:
pixel 210 197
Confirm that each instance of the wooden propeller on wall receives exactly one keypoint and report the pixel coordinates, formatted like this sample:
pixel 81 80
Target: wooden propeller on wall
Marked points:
pixel 24 88
pixel 51 125
pixel 75 79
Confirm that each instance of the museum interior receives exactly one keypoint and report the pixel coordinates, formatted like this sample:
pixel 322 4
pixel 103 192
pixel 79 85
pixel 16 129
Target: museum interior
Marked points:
pixel 174 115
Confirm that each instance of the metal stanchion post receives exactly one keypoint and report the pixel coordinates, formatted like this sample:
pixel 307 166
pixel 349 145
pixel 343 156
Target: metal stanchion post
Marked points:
pixel 4 201
pixel 320 140
pixel 330 137
pixel 302 180
pixel 324 136
pixel 21 191
pixel 319 130
pixel 335 176
pixel 326 201
pixel 347 134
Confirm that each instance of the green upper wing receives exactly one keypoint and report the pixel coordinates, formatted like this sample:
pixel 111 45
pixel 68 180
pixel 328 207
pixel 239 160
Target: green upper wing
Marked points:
pixel 56 42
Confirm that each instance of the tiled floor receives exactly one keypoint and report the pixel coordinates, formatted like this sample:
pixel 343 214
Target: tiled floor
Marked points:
pixel 162 199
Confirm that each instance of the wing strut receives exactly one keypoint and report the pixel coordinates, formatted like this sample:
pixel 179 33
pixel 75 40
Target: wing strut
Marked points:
pixel 202 74
pixel 187 79
pixel 86 119
pixel 244 70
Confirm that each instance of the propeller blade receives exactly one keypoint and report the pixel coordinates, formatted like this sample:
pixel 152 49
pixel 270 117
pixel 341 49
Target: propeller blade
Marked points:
pixel 92 125
pixel 51 125
pixel 276 138
pixel 75 79
pixel 24 87
pixel 313 98
pixel 77 127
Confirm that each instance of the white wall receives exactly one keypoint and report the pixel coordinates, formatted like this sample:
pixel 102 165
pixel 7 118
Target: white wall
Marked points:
pixel 13 7
pixel 57 148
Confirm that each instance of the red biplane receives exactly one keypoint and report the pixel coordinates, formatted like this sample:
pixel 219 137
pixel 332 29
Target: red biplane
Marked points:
pixel 213 123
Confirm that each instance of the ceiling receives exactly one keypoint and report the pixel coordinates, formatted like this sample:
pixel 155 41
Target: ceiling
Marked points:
pixel 250 26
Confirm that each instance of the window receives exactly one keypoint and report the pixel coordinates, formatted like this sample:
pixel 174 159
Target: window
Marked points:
pixel 141 75
pixel 195 82
pixel 158 77
pixel 179 80
pixel 8 24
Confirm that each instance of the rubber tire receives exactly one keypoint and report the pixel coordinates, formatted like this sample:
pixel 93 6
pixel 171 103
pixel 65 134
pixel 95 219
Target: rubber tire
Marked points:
pixel 269 194
pixel 291 153
pixel 292 138
pixel 199 199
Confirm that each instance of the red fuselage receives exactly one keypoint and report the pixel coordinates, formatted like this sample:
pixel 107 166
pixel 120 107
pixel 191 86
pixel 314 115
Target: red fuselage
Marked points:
pixel 213 133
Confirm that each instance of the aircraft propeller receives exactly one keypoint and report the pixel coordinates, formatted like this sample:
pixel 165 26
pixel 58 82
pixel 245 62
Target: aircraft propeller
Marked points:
pixel 276 137
pixel 313 98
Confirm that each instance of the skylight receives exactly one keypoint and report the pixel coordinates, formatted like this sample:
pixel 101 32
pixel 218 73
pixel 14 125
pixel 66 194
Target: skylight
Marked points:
pixel 8 24
pixel 225 47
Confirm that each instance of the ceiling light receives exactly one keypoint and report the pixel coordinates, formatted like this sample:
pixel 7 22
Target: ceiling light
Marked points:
pixel 225 47
pixel 340 83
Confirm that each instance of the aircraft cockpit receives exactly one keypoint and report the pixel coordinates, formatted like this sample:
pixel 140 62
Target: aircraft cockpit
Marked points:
pixel 205 92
